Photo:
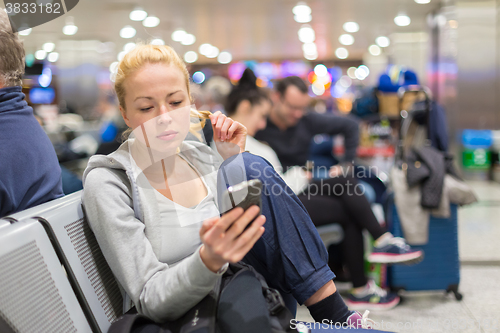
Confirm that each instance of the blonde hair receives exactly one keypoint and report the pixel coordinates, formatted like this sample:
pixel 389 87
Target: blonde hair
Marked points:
pixel 144 54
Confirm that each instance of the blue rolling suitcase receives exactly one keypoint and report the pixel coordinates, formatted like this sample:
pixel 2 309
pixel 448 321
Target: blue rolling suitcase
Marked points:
pixel 440 268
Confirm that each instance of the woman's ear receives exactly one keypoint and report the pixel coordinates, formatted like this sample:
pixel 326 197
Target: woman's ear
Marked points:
pixel 244 107
pixel 124 115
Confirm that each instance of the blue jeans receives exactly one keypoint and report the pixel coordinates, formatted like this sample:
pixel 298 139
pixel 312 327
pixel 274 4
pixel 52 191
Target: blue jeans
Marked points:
pixel 290 254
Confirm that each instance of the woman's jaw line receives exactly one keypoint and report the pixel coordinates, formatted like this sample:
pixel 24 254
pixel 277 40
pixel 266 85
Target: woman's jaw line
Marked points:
pixel 145 156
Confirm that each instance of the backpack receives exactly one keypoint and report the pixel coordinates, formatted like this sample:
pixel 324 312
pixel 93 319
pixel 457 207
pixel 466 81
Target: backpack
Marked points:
pixel 240 302
pixel 367 104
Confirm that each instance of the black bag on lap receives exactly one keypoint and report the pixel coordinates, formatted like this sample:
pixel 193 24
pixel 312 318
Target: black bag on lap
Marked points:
pixel 241 302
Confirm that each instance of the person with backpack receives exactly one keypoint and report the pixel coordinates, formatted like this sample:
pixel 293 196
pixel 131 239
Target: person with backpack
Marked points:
pixel 152 205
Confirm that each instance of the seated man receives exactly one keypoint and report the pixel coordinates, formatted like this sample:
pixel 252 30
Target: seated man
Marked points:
pixel 29 170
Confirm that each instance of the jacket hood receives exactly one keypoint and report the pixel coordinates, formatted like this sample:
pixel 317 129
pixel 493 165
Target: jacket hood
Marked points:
pixel 12 99
pixel 119 159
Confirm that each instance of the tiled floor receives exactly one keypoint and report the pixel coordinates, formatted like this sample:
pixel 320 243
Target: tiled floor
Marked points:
pixel 479 311
pixel 479 225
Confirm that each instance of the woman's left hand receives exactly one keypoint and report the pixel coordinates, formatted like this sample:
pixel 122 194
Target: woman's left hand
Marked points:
pixel 229 135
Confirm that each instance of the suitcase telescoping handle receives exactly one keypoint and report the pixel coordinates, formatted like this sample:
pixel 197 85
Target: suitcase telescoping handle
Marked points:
pixel 402 91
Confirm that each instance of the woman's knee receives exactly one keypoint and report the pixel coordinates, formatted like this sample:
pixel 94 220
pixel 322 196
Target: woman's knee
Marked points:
pixel 257 167
pixel 246 166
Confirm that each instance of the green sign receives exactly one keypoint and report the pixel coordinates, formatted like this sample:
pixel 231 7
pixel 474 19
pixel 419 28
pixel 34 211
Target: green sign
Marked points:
pixel 476 159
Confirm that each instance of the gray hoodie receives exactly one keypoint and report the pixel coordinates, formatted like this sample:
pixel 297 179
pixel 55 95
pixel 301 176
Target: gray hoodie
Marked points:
pixel 122 211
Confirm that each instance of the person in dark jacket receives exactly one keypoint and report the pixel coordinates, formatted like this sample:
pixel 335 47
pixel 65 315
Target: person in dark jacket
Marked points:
pixel 29 169
pixel 290 127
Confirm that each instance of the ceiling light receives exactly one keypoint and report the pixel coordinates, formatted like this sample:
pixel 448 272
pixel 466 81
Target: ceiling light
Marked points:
pixel 188 39
pixel 351 27
pixel 346 39
pixel 157 41
pixel 341 53
pixel 374 50
pixel 309 48
pixel 214 52
pixel 383 41
pixel 129 47
pixel 312 56
pixel 49 47
pixel 113 67
pixel 127 32
pixel 198 77
pixel 362 72
pixel 318 89
pixel 121 55
pixel 306 34
pixel 351 71
pixel 205 49
pixel 53 56
pixel 138 14
pixel 190 56
pixel 40 54
pixel 301 9
pixel 25 32
pixel 225 57
pixel 364 69
pixel 70 29
pixel 178 35
pixel 402 20
pixel 302 18
pixel 151 22
pixel 320 70
pixel 422 2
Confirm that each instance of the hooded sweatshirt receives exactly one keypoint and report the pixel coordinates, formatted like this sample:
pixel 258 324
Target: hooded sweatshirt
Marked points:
pixel 123 212
pixel 29 170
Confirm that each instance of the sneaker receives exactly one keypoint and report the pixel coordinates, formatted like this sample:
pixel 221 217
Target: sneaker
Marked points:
pixel 356 320
pixel 395 251
pixel 375 298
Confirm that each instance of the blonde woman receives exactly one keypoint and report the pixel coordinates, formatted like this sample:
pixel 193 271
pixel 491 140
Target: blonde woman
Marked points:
pixel 152 204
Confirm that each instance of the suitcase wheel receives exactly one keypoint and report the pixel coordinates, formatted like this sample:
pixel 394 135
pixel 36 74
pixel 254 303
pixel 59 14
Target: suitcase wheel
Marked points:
pixel 454 288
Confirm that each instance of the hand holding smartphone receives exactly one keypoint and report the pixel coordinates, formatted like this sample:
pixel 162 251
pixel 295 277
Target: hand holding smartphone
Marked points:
pixel 236 233
pixel 244 195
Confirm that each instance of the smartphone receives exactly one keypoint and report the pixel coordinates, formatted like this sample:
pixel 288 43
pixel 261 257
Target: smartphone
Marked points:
pixel 244 195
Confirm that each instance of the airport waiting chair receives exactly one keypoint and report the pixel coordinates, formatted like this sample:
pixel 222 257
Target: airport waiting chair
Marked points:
pixel 35 294
pixel 40 210
pixel 92 279
pixel 4 223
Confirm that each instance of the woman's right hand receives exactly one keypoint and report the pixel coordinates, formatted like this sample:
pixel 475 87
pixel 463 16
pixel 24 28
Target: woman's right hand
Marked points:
pixel 226 240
